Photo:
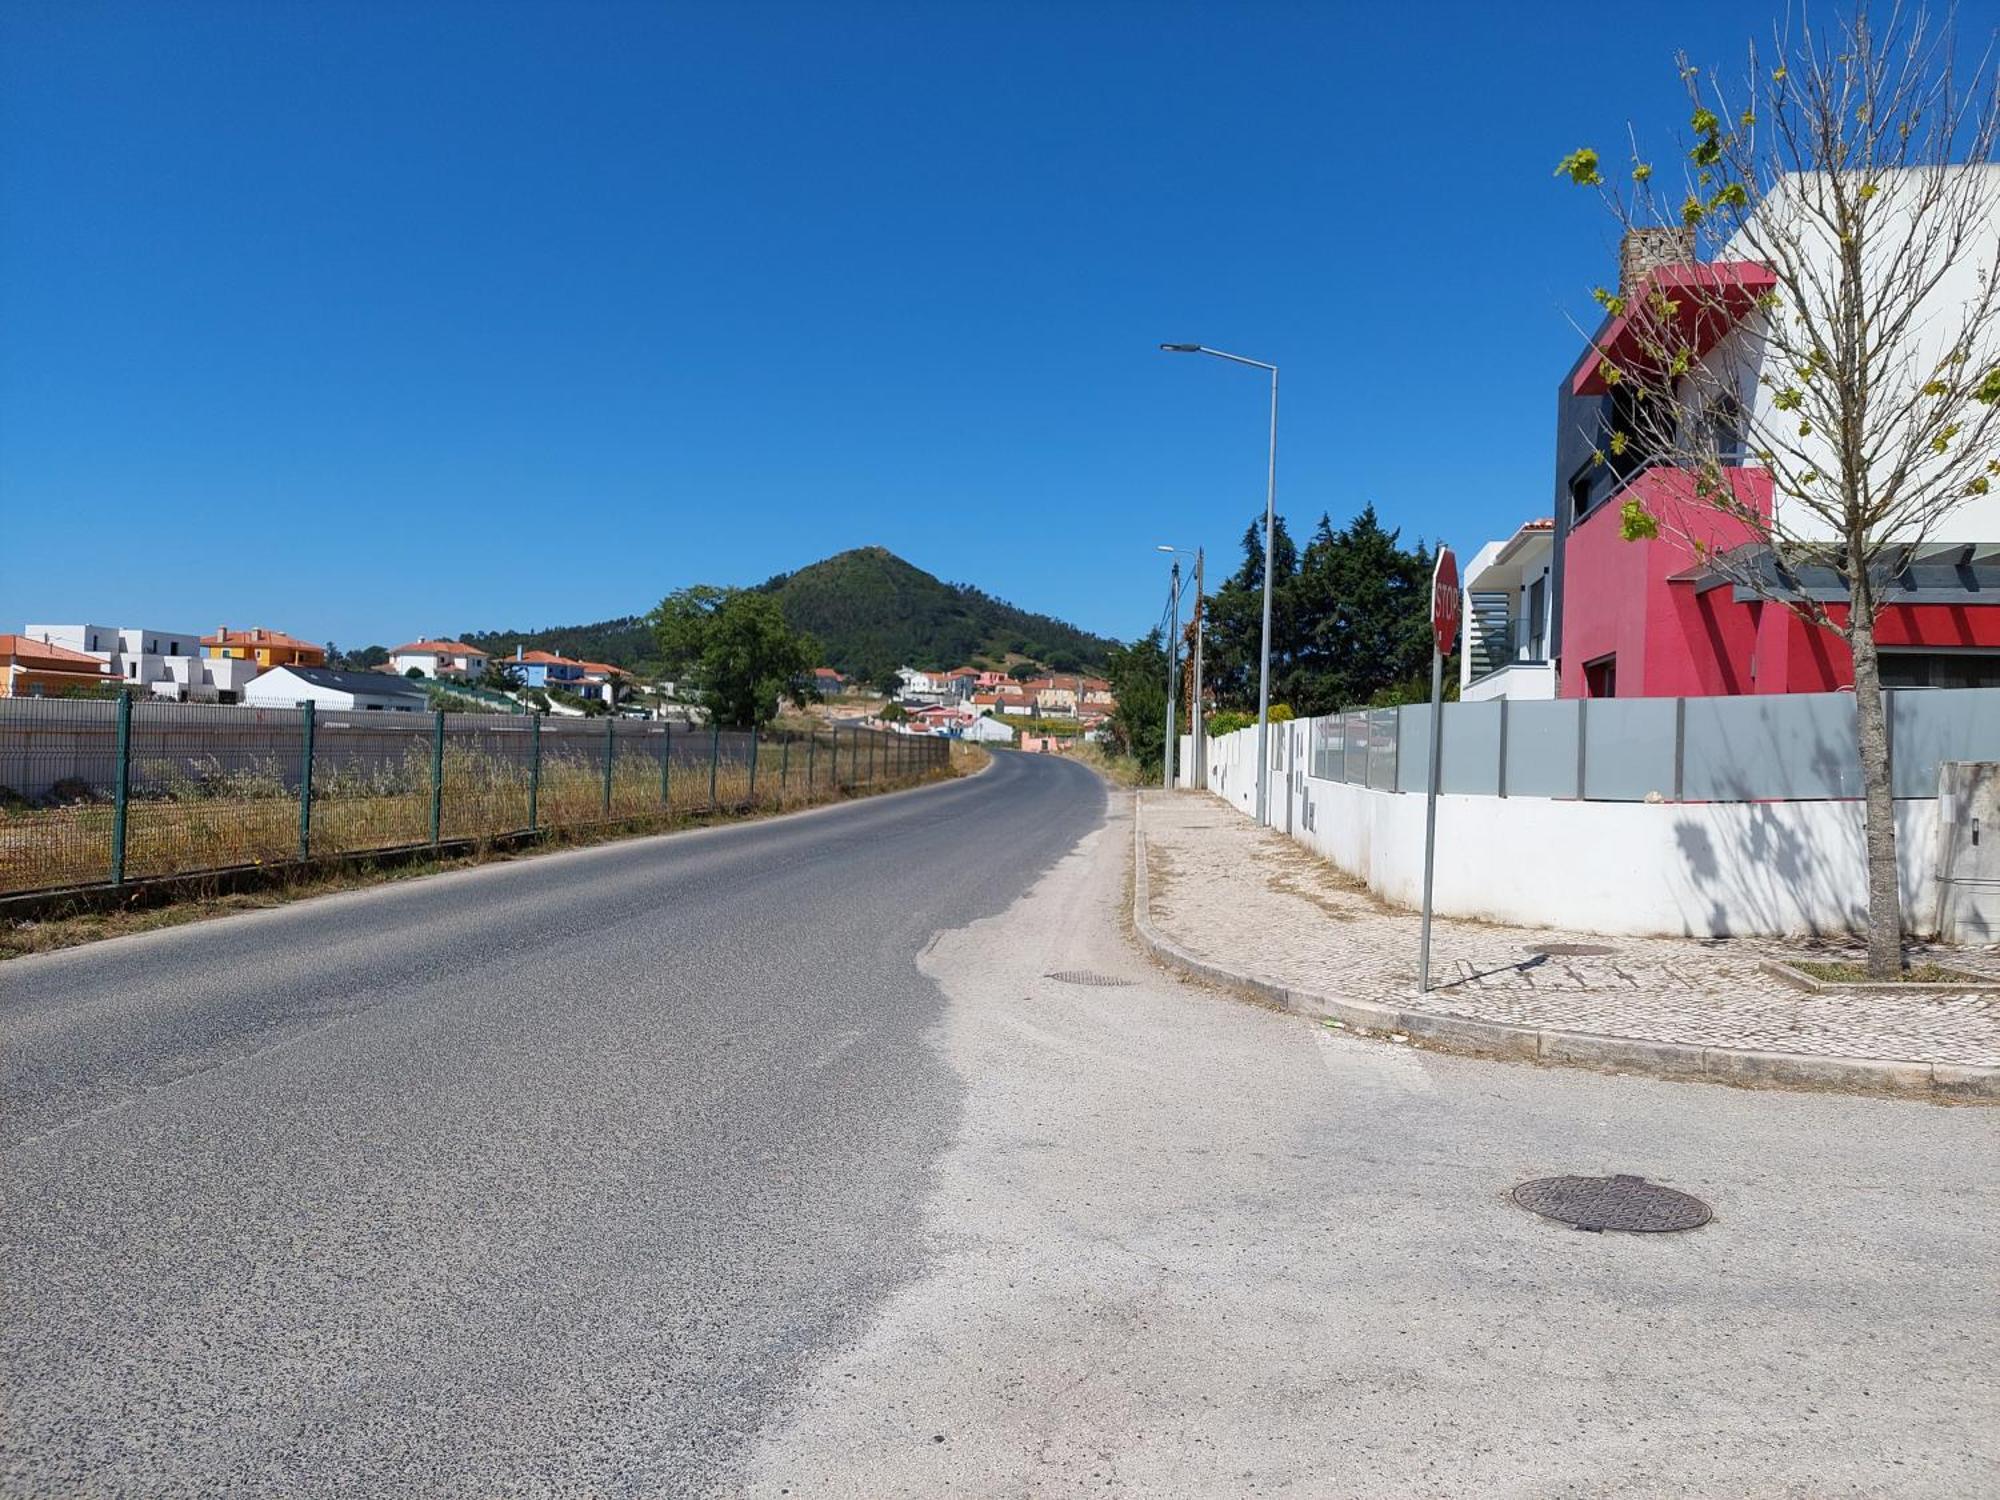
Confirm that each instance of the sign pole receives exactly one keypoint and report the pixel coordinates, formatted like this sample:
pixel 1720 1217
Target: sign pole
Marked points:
pixel 1444 630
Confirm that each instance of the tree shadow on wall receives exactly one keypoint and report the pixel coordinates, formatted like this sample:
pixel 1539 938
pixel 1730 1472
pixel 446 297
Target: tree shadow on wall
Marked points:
pixel 1769 878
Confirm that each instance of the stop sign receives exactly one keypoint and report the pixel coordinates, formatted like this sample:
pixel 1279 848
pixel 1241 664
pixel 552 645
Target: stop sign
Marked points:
pixel 1445 601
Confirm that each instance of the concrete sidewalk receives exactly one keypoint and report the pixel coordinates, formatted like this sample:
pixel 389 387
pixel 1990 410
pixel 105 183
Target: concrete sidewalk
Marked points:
pixel 1218 896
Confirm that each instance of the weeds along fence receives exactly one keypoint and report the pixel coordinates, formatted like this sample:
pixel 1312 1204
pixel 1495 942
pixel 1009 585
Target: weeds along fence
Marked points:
pixel 97 793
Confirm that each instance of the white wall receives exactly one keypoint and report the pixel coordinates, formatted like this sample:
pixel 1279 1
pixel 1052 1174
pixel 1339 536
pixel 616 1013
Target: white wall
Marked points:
pixel 1710 869
pixel 1903 369
pixel 278 688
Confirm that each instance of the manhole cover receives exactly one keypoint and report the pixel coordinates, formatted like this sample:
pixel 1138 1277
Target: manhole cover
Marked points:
pixel 1627 1203
pixel 1571 950
pixel 1088 976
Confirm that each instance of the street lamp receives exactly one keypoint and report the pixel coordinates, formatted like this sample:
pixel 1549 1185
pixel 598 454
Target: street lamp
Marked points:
pixel 1196 728
pixel 1270 522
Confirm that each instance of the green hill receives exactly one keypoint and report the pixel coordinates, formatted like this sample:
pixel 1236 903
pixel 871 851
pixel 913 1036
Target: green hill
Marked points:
pixel 625 642
pixel 872 612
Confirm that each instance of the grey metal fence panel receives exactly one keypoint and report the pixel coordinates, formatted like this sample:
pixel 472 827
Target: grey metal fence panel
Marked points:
pixel 1329 750
pixel 1354 752
pixel 1413 750
pixel 1928 728
pixel 1383 755
pixel 1472 748
pixel 1792 746
pixel 1628 750
pixel 1541 749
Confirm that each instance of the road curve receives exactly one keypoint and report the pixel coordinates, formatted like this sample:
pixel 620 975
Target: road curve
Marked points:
pixel 544 1177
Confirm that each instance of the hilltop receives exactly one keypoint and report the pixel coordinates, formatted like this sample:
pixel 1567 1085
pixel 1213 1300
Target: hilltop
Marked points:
pixel 870 611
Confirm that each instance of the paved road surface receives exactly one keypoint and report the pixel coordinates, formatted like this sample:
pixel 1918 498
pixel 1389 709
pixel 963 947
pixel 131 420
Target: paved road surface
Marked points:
pixel 771 1160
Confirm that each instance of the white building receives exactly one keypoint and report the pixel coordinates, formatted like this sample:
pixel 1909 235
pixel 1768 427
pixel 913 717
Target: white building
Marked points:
pixel 289 687
pixel 439 659
pixel 166 663
pixel 1790 215
pixel 1504 633
pixel 988 731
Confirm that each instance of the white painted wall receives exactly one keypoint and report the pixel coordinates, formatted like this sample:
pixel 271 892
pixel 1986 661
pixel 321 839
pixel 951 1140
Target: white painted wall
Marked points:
pixel 278 688
pixel 1713 869
pixel 1912 362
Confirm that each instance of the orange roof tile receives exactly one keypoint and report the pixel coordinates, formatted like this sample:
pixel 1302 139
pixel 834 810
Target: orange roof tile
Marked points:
pixel 435 648
pixel 257 636
pixel 26 646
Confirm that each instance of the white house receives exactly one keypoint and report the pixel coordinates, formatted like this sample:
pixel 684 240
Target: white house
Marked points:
pixel 439 659
pixel 289 687
pixel 916 682
pixel 1504 625
pixel 987 731
pixel 166 663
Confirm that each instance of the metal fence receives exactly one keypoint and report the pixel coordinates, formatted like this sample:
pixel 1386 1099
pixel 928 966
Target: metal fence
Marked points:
pixel 106 792
pixel 1797 746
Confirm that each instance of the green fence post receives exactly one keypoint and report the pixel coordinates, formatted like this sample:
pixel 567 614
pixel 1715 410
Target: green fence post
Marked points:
pixel 784 767
pixel 121 788
pixel 871 759
pixel 610 755
pixel 306 785
pixel 812 755
pixel 714 761
pixel 751 800
pixel 437 777
pixel 666 765
pixel 534 771
pixel 833 773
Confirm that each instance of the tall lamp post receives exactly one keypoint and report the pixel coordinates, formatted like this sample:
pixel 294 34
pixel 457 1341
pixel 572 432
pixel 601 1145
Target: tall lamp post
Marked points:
pixel 1270 513
pixel 1195 726
pixel 1173 663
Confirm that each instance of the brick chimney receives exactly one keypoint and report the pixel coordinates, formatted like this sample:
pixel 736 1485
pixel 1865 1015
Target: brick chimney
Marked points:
pixel 1643 251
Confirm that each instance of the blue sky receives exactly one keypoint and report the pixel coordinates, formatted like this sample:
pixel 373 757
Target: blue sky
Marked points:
pixel 369 321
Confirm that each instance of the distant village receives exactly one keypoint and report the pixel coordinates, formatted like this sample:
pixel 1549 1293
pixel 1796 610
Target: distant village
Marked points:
pixel 975 704
pixel 263 668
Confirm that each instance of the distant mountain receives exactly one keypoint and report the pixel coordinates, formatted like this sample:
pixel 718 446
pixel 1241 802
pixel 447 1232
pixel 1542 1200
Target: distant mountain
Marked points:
pixel 625 642
pixel 872 612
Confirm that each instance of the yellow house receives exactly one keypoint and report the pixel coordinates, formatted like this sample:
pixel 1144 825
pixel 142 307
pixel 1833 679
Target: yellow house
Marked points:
pixel 268 648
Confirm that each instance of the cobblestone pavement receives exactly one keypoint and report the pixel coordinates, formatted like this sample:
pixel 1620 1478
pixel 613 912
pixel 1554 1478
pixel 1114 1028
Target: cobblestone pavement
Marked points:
pixel 1253 902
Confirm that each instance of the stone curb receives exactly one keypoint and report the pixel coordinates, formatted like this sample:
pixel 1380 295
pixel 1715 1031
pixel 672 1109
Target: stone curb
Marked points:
pixel 1497 1039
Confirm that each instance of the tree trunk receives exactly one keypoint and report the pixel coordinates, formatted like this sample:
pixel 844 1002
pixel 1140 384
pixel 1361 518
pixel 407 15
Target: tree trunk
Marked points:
pixel 1871 726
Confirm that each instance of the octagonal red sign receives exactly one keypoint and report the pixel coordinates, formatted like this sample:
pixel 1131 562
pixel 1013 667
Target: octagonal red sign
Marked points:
pixel 1445 601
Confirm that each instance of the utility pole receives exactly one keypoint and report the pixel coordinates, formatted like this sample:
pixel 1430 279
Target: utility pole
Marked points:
pixel 1197 725
pixel 1173 657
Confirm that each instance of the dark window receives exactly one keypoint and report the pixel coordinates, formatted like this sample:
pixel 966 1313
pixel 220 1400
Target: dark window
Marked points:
pixel 1600 677
pixel 1538 609
pixel 1940 669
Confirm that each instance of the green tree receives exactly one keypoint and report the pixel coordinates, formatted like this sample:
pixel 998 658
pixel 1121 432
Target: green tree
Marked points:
pixel 1357 618
pixel 893 713
pixel 1024 671
pixel 1236 616
pixel 1860 410
pixel 735 647
pixel 1138 677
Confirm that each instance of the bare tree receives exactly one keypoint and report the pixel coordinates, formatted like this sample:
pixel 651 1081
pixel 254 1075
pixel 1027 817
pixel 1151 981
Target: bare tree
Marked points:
pixel 1821 374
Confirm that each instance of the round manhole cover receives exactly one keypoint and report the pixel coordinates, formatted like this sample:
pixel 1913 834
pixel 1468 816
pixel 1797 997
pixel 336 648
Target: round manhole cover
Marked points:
pixel 1571 950
pixel 1089 976
pixel 1631 1204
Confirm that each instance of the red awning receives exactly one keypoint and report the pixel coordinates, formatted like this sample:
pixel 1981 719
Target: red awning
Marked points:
pixel 1708 300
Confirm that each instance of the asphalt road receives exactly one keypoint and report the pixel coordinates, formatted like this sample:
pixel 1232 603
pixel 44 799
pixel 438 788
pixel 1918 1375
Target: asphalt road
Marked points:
pixel 543 1178
pixel 780 1160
